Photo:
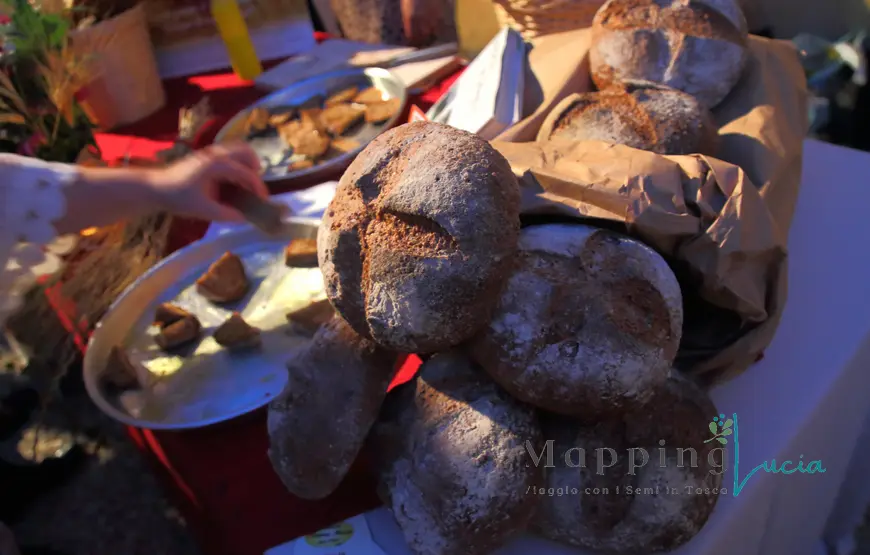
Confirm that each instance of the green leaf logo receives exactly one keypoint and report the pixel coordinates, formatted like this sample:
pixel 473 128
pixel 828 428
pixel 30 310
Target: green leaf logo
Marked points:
pixel 720 428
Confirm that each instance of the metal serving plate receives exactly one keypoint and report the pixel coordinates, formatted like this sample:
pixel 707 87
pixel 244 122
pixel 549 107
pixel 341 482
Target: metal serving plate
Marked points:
pixel 298 94
pixel 205 384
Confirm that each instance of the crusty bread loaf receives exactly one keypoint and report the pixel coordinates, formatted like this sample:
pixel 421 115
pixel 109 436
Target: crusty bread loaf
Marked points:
pixel 641 115
pixel 639 507
pixel 455 469
pixel 419 238
pixel 319 422
pixel 697 46
pixel 588 324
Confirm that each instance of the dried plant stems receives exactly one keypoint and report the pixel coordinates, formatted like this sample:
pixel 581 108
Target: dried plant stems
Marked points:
pixel 102 266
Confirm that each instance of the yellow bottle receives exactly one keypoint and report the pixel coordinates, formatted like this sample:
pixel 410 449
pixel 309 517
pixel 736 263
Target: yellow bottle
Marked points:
pixel 234 32
pixel 476 24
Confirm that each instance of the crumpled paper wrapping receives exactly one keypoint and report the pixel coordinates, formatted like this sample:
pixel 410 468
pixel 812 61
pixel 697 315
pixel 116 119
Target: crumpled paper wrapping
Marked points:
pixel 721 222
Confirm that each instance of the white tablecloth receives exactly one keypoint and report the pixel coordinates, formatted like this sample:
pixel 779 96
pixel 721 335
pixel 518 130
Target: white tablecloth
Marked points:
pixel 809 396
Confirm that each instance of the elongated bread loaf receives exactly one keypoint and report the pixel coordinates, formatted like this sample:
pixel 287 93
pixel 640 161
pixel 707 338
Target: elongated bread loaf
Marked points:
pixel 332 398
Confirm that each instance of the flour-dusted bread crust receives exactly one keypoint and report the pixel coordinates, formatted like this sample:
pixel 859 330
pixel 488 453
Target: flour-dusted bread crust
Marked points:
pixel 456 472
pixel 319 422
pixel 418 241
pixel 659 513
pixel 588 325
pixel 645 116
pixel 697 46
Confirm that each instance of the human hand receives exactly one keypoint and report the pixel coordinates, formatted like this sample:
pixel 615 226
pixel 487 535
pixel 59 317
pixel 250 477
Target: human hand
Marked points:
pixel 191 187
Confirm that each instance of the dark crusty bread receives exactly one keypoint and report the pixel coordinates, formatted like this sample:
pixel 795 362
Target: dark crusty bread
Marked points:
pixel 697 46
pixel 224 281
pixel 588 324
pixel 662 515
pixel 319 422
pixel 236 334
pixel 420 236
pixel 645 116
pixel 455 470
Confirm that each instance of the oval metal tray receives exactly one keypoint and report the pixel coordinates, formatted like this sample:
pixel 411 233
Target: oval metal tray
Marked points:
pixel 305 91
pixel 205 384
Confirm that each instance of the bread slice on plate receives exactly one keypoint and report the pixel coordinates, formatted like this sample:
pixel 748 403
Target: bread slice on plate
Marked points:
pixel 342 145
pixel 119 371
pixel 309 319
pixel 224 281
pixel 304 139
pixel 257 121
pixel 369 96
pixel 377 112
pixel 341 97
pixel 178 333
pixel 236 334
pixel 301 253
pixel 169 314
pixel 341 117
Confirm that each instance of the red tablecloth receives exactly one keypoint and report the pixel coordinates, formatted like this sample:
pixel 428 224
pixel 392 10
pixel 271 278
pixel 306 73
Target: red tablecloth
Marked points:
pixel 220 476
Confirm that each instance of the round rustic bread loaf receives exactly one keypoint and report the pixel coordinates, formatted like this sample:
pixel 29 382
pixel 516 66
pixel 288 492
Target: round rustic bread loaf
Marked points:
pixel 641 504
pixel 697 46
pixel 588 325
pixel 318 424
pixel 645 116
pixel 455 469
pixel 420 236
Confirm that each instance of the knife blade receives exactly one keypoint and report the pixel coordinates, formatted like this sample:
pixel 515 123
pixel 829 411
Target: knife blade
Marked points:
pixel 422 55
pixel 266 215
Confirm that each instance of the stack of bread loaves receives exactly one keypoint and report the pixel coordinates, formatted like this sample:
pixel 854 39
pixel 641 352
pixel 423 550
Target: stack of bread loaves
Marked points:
pixel 660 67
pixel 541 345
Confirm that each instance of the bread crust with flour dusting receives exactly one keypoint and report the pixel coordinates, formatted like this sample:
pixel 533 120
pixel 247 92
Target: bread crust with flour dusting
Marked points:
pixel 588 324
pixel 662 515
pixel 318 424
pixel 455 470
pixel 697 46
pixel 420 237
pixel 645 116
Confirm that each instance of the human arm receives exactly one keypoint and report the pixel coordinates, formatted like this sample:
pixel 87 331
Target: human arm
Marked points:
pixel 40 201
pixel 189 187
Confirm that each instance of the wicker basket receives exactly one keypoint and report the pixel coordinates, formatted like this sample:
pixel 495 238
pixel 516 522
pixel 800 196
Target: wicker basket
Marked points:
pixel 533 18
pixel 126 85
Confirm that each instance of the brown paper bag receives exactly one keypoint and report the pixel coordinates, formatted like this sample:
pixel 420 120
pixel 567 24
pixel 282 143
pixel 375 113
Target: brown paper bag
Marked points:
pixel 722 222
